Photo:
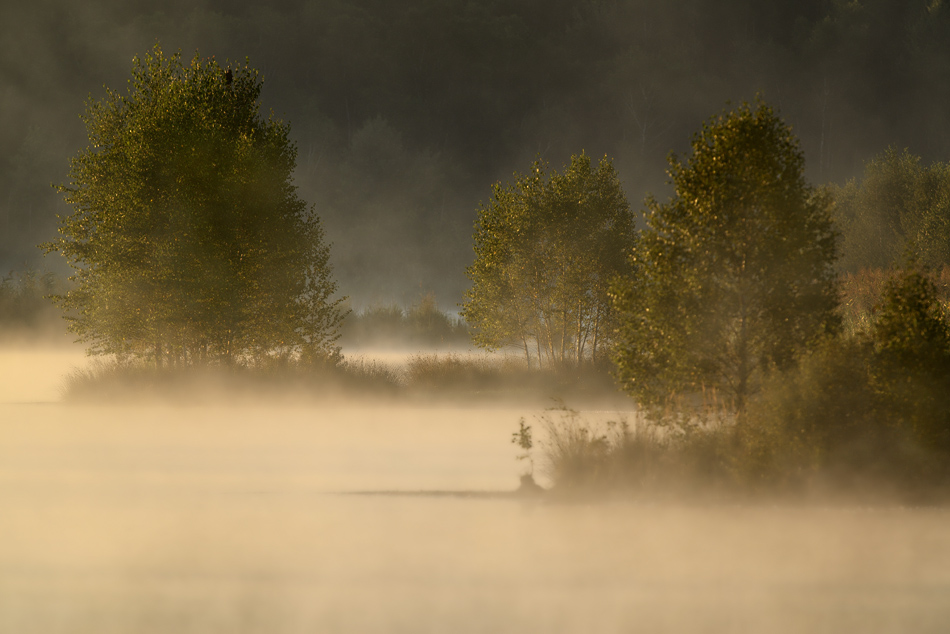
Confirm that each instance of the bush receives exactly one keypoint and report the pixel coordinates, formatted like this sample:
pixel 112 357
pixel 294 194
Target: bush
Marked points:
pixel 578 454
pixel 643 458
pixel 123 379
pixel 819 419
pixel 446 376
pixel 867 411
pixel 453 372
pixel 867 414
pixel 912 343
pixel 862 292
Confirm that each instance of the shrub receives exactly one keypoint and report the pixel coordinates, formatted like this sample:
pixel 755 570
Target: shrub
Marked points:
pixel 866 411
pixel 643 458
pixel 818 420
pixel 912 342
pixel 578 454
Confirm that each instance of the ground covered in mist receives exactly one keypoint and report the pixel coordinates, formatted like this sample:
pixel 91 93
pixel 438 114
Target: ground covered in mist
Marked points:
pixel 211 518
pixel 239 519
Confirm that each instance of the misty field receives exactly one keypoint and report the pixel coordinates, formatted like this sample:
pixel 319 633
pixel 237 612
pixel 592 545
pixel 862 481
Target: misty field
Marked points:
pixel 257 519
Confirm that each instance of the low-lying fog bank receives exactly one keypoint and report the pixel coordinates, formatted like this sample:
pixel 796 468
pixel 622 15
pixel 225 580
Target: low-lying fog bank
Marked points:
pixel 32 372
pixel 241 518
pixel 233 520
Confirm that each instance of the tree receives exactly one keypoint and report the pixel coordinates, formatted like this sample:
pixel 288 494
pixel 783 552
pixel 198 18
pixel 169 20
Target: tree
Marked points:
pixel 899 206
pixel 911 337
pixel 187 237
pixel 912 328
pixel 734 274
pixel 546 249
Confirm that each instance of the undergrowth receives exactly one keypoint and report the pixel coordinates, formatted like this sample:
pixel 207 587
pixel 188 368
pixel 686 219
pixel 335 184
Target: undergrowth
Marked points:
pixel 423 376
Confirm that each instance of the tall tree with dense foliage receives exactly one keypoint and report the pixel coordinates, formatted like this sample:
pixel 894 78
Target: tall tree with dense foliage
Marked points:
pixel 734 274
pixel 187 236
pixel 546 250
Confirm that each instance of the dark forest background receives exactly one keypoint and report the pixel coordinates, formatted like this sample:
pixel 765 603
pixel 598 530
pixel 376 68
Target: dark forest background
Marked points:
pixel 405 112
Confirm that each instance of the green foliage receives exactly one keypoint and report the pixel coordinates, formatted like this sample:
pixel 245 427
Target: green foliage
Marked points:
pixel 187 237
pixel 734 274
pixel 911 329
pixel 817 420
pixel 546 249
pixel 523 439
pixel 871 410
pixel 898 206
pixel 912 340
pixel 642 458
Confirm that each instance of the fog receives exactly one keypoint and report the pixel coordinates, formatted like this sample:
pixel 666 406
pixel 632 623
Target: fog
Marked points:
pixel 235 513
pixel 405 113
pixel 397 518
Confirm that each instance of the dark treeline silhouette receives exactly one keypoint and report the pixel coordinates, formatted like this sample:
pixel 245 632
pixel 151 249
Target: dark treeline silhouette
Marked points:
pixel 404 113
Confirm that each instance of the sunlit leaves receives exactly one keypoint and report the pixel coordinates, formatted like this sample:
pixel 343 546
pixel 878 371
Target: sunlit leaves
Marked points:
pixel 733 274
pixel 187 236
pixel 899 205
pixel 546 248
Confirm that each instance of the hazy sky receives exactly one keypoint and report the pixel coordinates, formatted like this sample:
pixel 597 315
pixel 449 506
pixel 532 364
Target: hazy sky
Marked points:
pixel 405 113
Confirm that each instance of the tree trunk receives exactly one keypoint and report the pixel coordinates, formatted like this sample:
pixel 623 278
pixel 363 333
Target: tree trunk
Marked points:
pixel 579 344
pixel 593 348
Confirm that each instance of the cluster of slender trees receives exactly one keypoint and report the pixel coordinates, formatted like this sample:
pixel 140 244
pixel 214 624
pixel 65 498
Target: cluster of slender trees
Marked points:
pixel 734 275
pixel 546 250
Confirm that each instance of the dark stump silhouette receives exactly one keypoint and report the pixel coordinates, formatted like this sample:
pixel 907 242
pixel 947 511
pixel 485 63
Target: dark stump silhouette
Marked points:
pixel 528 486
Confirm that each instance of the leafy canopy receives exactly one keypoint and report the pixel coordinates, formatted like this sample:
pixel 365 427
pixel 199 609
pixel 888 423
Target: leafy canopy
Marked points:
pixel 546 249
pixel 899 206
pixel 187 236
pixel 734 274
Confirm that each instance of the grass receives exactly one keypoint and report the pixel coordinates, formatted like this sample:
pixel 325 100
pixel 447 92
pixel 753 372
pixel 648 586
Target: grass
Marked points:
pixel 795 443
pixel 633 455
pixel 864 415
pixel 423 376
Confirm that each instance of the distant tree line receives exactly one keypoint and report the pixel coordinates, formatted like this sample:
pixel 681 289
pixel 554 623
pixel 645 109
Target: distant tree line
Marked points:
pixel 423 325
pixel 25 311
